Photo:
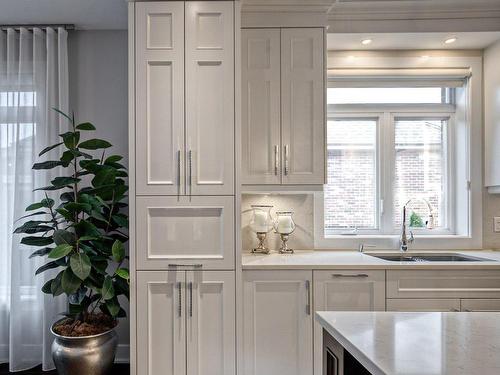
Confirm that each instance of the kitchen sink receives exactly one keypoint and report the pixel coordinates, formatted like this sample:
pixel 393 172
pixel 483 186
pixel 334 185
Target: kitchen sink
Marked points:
pixel 429 258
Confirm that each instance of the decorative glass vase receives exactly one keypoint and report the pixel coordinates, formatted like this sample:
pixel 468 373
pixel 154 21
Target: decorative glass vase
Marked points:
pixel 261 224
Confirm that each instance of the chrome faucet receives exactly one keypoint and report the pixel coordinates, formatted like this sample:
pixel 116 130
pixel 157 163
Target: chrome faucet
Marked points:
pixel 405 239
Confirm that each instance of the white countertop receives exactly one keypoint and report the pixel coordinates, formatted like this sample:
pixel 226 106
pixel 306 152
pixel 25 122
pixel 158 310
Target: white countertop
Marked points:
pixel 405 343
pixel 334 259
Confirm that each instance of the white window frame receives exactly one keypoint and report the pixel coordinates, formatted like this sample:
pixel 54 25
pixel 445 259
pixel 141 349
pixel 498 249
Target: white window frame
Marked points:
pixel 468 121
pixel 385 159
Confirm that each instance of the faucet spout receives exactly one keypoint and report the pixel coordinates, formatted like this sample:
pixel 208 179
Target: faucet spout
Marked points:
pixel 406 238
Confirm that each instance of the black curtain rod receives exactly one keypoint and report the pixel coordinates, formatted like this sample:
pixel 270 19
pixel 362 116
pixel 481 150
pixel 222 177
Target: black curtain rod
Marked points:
pixel 67 26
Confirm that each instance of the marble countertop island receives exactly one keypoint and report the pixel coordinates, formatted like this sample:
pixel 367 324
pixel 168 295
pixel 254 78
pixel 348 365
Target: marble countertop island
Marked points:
pixel 404 343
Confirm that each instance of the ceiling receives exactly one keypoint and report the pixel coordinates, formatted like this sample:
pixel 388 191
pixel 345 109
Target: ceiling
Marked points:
pixel 420 41
pixel 85 14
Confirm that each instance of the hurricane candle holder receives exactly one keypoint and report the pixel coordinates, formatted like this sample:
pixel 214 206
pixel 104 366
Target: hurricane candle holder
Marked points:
pixel 261 224
pixel 284 226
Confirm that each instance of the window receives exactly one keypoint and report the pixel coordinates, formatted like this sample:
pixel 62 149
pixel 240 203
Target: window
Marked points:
pixel 387 147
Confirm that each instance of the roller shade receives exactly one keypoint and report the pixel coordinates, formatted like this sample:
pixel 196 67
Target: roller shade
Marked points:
pixel 339 77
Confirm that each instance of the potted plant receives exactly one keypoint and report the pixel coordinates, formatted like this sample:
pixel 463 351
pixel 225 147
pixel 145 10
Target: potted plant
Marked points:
pixel 83 236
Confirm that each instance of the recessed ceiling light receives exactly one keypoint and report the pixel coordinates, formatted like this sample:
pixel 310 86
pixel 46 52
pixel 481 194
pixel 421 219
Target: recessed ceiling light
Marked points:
pixel 366 41
pixel 450 40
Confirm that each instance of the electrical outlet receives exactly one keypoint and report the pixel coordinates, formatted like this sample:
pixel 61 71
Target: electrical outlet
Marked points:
pixel 496 224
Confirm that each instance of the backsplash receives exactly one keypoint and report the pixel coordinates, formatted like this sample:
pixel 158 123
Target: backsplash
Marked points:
pixel 301 204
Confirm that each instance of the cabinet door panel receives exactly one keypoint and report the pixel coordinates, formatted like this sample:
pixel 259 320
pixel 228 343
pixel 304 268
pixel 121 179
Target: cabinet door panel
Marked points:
pixel 185 231
pixel 211 342
pixel 345 291
pixel 277 332
pixel 161 323
pixel 261 157
pixel 159 97
pixel 302 96
pixel 210 97
pixel 423 304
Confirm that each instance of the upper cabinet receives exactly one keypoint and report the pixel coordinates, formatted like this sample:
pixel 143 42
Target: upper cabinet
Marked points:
pixel 283 106
pixel 185 98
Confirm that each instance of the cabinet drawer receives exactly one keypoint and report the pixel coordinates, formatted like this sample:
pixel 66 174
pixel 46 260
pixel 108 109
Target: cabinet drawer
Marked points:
pixel 443 284
pixel 480 305
pixel 422 304
pixel 186 231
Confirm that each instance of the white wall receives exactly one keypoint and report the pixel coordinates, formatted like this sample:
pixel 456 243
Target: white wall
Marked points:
pixel 98 93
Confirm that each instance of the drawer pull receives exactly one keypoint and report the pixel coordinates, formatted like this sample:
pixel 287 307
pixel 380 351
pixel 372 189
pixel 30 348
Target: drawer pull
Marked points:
pixel 195 265
pixel 308 296
pixel 179 288
pixel 347 275
pixel 190 299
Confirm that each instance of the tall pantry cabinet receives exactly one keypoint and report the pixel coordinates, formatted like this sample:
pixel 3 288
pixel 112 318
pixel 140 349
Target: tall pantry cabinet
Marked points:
pixel 183 184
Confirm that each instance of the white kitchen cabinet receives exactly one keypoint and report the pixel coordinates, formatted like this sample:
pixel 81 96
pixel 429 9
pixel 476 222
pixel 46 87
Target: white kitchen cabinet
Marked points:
pixel 302 105
pixel 185 232
pixel 211 341
pixel 159 128
pixel 210 97
pixel 186 323
pixel 283 106
pixel 261 113
pixel 482 305
pixel 423 304
pixel 340 290
pixel 185 113
pixel 161 307
pixel 277 323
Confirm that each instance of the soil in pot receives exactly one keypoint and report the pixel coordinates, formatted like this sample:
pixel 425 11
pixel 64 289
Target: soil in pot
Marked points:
pixel 94 325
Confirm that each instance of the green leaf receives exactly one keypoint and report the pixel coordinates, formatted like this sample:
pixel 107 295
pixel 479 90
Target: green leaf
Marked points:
pixel 63 114
pixel 33 214
pixel 87 238
pixel 78 297
pixel 47 149
pixel 48 202
pixel 113 159
pixel 46 287
pixel 64 181
pixel 86 228
pixel 121 220
pixel 56 286
pixel 36 241
pixel 34 206
pixel 41 252
pixel 123 273
pixel 64 237
pixel 46 267
pixel 118 251
pixel 66 158
pixel 47 164
pixel 60 251
pixel 104 177
pixel 80 265
pixel 94 144
pixel 70 283
pixel 113 306
pixel 107 290
pixel 85 126
pixel 71 139
pixel 78 207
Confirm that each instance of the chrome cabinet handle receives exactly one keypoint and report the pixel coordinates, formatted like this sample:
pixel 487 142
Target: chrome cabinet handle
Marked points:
pixel 190 299
pixel 346 275
pixel 190 168
pixel 286 148
pixel 276 159
pixel 178 172
pixel 194 265
pixel 308 290
pixel 179 288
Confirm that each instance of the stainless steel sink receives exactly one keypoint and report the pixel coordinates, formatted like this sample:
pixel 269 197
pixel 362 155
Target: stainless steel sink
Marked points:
pixel 429 258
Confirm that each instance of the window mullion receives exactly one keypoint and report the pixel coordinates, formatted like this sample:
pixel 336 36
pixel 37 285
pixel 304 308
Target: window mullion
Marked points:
pixel 387 175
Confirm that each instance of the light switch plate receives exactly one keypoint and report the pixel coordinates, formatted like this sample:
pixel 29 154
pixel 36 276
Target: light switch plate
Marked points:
pixel 496 224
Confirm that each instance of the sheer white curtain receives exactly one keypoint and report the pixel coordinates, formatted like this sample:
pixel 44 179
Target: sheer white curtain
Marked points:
pixel 33 79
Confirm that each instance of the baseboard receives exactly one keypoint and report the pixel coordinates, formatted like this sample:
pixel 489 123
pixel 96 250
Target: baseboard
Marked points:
pixel 122 354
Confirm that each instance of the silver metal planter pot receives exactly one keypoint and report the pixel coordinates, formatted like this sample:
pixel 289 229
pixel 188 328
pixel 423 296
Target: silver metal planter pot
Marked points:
pixel 84 355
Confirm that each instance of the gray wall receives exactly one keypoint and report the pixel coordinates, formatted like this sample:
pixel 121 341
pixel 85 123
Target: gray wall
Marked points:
pixel 98 91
